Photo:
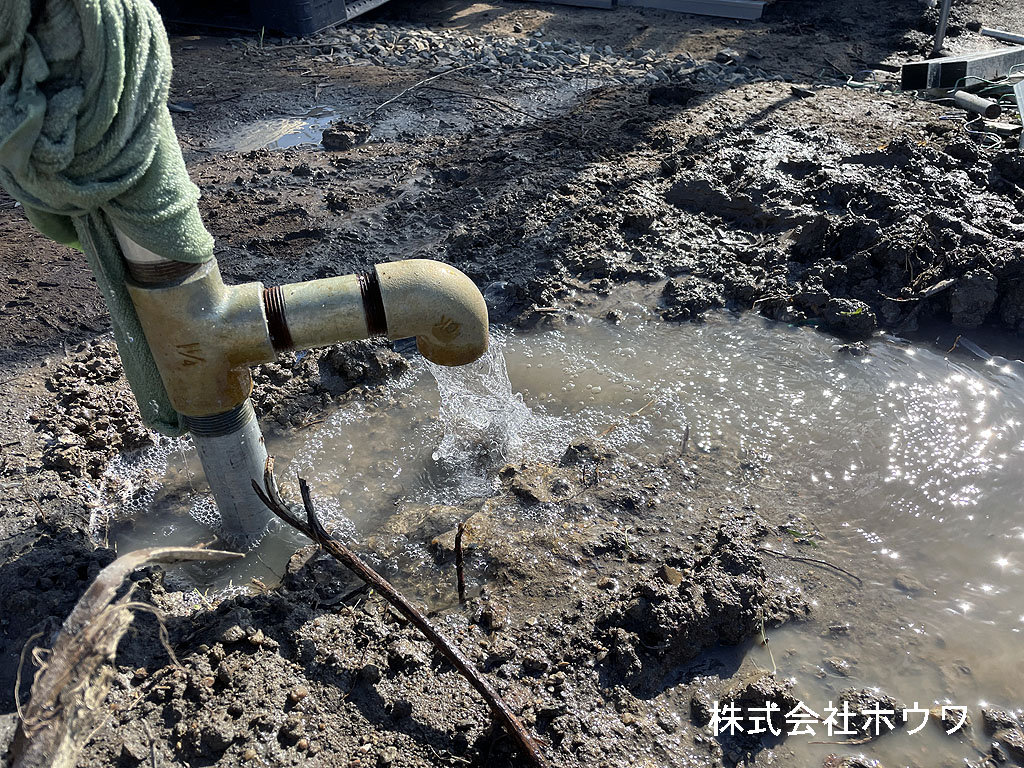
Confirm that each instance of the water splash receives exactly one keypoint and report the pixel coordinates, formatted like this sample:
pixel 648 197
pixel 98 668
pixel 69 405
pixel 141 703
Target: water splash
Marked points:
pixel 484 422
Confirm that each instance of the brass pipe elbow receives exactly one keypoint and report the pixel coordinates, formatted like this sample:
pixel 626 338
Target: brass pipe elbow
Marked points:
pixel 438 305
pixel 205 335
pixel 432 301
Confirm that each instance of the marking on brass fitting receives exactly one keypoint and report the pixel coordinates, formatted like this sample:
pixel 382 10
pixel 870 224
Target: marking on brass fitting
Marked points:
pixel 447 329
pixel 190 353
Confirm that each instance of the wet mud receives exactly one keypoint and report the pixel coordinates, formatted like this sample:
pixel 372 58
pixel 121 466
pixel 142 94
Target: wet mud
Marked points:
pixel 762 179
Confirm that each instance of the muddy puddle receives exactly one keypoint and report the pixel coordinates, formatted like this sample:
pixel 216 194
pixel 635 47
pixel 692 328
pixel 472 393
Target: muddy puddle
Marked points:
pixel 448 107
pixel 281 132
pixel 911 460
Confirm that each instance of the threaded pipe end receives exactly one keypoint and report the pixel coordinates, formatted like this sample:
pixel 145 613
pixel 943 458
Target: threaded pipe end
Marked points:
pixel 157 274
pixel 277 320
pixel 219 424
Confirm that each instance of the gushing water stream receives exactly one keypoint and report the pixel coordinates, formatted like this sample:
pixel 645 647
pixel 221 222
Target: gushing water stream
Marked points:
pixel 484 423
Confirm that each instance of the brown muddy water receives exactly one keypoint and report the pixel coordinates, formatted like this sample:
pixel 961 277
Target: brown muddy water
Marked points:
pixel 912 459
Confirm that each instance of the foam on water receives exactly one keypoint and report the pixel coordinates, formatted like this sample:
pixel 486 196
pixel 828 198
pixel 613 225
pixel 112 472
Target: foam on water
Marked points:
pixel 131 482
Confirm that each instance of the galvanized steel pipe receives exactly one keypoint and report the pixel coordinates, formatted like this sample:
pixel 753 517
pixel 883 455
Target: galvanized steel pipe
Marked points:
pixel 972 102
pixel 940 32
pixel 1000 34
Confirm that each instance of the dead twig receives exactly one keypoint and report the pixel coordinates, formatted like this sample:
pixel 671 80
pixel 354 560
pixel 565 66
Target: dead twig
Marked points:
pixel 17 678
pixel 150 684
pixel 633 415
pixel 834 66
pixel 419 84
pixel 460 563
pixel 152 745
pixel 815 560
pixel 926 293
pixel 288 46
pixel 764 640
pixel 31 497
pixel 542 115
pixel 312 528
pixel 775 297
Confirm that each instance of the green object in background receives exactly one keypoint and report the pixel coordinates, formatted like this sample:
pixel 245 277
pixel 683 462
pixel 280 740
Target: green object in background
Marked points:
pixel 87 146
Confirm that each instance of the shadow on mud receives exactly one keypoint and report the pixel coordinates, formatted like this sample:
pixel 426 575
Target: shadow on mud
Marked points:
pixel 42 577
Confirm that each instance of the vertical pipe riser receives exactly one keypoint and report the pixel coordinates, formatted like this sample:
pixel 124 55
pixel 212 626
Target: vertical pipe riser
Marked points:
pixel 233 454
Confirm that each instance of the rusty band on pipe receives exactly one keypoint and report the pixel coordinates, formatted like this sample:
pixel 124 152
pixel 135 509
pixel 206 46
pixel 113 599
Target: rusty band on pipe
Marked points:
pixel 160 273
pixel 373 304
pixel 277 321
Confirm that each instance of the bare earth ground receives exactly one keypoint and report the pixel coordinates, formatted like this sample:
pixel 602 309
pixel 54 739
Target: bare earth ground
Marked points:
pixel 799 197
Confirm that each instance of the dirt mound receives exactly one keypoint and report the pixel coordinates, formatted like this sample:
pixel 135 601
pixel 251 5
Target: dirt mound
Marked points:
pixel 720 594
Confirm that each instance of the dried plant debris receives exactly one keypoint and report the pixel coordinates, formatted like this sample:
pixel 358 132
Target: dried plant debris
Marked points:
pixel 74 676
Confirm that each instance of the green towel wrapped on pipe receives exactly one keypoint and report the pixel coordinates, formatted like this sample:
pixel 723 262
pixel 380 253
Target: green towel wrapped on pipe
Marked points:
pixel 87 146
